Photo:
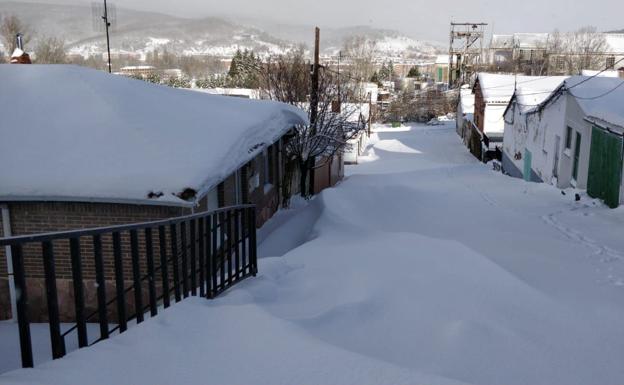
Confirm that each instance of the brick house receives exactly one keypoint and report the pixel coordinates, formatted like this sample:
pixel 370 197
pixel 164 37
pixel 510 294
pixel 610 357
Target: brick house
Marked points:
pixel 82 148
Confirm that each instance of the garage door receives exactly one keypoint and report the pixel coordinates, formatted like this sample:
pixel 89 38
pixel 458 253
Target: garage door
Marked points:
pixel 605 167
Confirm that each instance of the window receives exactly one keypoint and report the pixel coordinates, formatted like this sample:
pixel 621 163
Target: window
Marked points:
pixel 577 154
pixel 568 141
pixel 610 62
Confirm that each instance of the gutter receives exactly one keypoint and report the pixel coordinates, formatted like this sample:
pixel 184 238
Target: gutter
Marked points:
pixel 6 228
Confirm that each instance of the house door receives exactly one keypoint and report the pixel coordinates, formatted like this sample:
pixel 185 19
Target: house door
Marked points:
pixel 605 167
pixel 555 171
pixel 527 165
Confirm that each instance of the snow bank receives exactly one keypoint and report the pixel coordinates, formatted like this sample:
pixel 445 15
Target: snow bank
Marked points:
pixel 72 133
pixel 421 267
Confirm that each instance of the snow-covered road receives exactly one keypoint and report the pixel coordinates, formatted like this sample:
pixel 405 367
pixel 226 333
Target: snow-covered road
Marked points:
pixel 423 266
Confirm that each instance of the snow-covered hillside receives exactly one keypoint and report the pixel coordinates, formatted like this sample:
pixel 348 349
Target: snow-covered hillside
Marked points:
pixel 424 266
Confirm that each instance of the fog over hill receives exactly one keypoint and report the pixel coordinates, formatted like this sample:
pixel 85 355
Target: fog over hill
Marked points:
pixel 139 31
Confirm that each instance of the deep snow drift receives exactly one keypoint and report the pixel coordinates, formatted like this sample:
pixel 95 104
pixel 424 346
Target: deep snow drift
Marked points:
pixel 424 266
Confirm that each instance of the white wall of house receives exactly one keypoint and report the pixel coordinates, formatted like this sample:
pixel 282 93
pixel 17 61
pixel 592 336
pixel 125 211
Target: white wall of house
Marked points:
pixel 545 135
pixel 574 118
pixel 494 123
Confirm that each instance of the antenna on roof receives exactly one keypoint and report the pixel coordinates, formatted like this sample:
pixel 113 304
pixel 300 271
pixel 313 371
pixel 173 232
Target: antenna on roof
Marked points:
pixel 104 19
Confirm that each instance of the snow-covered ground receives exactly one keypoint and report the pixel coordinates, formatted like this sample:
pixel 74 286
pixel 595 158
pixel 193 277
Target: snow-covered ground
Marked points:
pixel 423 266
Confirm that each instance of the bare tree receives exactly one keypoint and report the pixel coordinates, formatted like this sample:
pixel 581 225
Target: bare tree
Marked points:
pixel 286 78
pixel 50 50
pixel 360 52
pixel 570 53
pixel 586 48
pixel 10 26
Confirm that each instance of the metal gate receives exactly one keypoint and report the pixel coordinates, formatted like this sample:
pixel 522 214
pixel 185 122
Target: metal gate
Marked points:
pixel 605 167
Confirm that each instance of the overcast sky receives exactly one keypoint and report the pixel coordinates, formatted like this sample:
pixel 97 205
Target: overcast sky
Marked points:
pixel 426 19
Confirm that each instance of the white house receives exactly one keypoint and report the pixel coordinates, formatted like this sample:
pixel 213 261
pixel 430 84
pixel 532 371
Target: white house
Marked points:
pixel 568 135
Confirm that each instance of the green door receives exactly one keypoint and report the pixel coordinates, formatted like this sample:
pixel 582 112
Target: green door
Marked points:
pixel 440 74
pixel 528 157
pixel 605 167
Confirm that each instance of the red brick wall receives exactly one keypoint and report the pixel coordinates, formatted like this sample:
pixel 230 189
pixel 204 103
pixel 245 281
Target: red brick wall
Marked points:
pixel 41 217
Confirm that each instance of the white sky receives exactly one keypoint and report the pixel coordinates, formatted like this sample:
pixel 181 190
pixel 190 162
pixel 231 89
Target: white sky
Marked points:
pixel 425 19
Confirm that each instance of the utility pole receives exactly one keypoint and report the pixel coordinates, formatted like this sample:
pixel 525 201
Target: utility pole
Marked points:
pixel 314 100
pixel 314 97
pixel 107 24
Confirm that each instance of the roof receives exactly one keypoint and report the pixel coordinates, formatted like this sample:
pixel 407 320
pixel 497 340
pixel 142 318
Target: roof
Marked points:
pixel 605 74
pixel 502 41
pixel 77 134
pixel 599 97
pixel 499 88
pixel 530 40
pixel 615 42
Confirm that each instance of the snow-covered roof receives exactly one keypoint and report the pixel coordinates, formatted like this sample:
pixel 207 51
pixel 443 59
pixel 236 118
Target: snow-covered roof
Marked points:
pixel 530 94
pixel 17 53
pixel 530 40
pixel 72 133
pixel 499 88
pixel 599 97
pixel 615 42
pixel 604 74
pixel 502 41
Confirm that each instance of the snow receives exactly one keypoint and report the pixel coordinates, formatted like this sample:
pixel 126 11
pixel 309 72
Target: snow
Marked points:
pixel 423 266
pixel 499 88
pixel 600 97
pixel 615 42
pixel 606 74
pixel 467 100
pixel 94 136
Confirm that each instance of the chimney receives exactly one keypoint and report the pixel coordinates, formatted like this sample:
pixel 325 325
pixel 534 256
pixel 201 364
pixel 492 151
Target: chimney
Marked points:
pixel 19 56
pixel 19 43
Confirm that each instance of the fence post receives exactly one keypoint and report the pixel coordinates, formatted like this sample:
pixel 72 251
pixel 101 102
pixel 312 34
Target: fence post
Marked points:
pixel 22 306
pixel 174 258
pixel 149 257
pixel 76 262
pixel 193 239
pixel 184 256
pixel 201 234
pixel 119 283
pixel 136 276
pixel 162 241
pixel 57 340
pixel 253 257
pixel 101 286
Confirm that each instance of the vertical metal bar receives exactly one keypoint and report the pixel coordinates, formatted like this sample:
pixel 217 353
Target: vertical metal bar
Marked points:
pixel 245 238
pixel 222 250
pixel 184 256
pixel 81 321
pixel 101 286
pixel 58 342
pixel 119 283
pixel 151 283
pixel 201 234
pixel 164 264
pixel 210 255
pixel 136 275
pixel 193 240
pixel 237 243
pixel 215 250
pixel 174 258
pixel 253 256
pixel 230 244
pixel 22 306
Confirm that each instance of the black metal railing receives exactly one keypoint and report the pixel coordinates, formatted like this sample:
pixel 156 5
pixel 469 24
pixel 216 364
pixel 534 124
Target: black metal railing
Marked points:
pixel 206 253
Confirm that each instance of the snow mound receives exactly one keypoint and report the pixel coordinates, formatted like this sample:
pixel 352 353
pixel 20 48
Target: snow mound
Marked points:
pixel 78 134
